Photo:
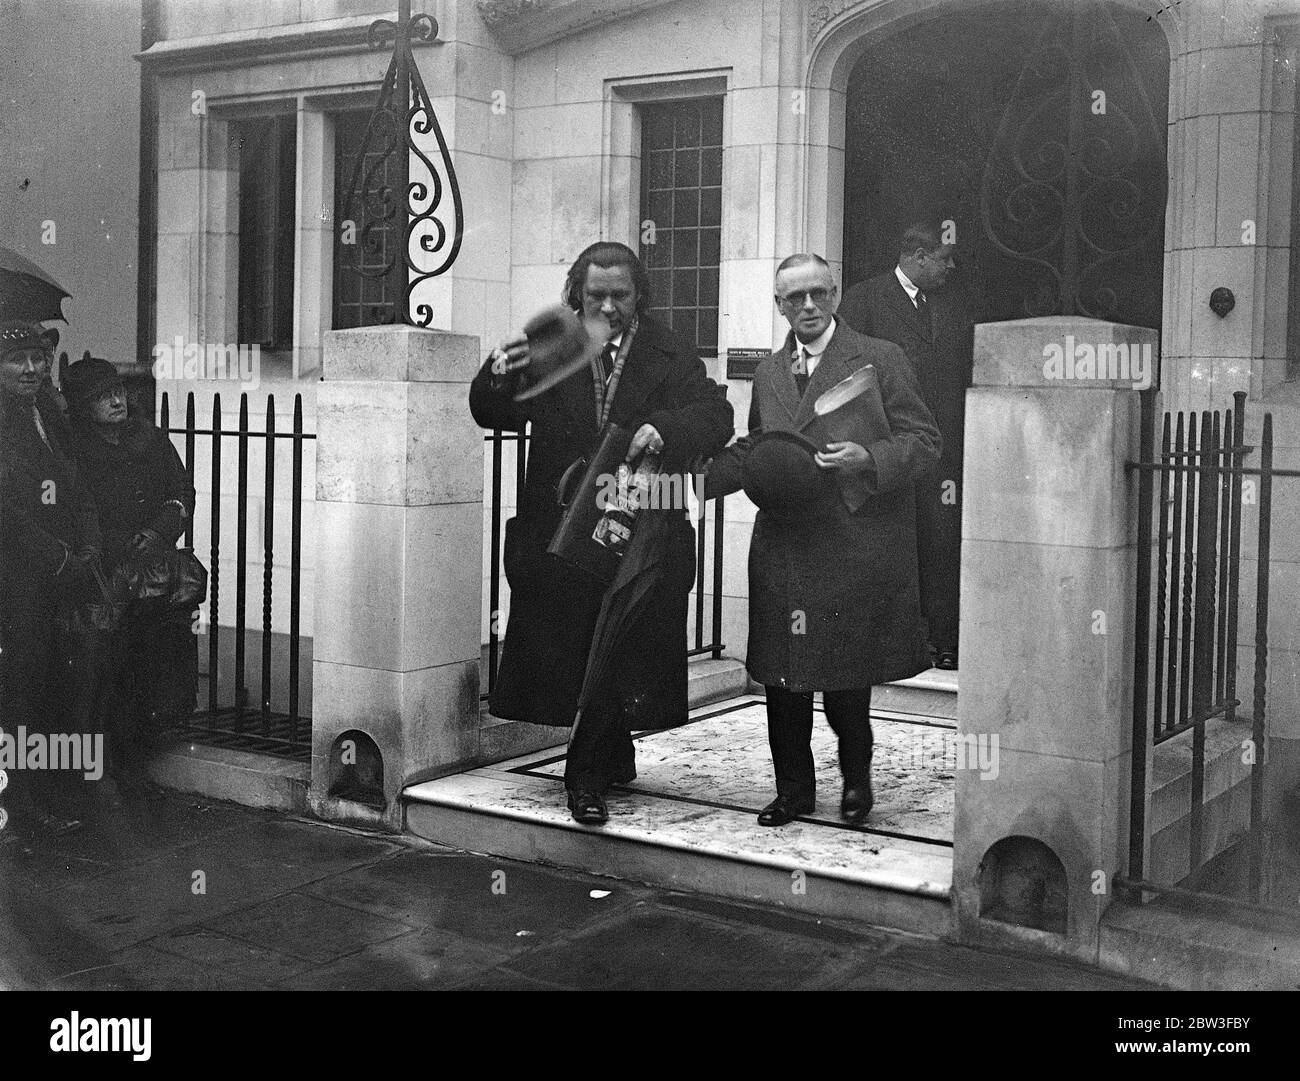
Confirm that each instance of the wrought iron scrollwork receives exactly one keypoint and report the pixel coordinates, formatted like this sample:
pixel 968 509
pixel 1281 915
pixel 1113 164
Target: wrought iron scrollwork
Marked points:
pixel 429 210
pixel 1065 193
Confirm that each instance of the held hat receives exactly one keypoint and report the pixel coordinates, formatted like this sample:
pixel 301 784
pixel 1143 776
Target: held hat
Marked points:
pixel 782 477
pixel 559 344
pixel 17 335
pixel 88 378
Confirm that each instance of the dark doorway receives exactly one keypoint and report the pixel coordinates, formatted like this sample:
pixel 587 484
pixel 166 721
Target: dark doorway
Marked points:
pixel 993 118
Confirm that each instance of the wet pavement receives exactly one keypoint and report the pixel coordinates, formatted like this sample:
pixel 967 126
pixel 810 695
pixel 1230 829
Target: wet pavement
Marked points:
pixel 187 894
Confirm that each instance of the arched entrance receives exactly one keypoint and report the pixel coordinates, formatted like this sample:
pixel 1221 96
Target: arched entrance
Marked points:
pixel 1038 128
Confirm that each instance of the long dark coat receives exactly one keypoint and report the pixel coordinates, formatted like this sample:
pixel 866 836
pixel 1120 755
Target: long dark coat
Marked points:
pixel 553 607
pixel 940 354
pixel 833 601
pixel 45 511
pixel 132 482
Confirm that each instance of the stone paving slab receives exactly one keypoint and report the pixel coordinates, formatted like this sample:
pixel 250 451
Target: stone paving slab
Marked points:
pixel 294 904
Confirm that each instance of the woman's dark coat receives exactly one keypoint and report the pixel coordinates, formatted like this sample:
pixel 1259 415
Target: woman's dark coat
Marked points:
pixel 833 601
pixel 132 482
pixel 45 513
pixel 553 607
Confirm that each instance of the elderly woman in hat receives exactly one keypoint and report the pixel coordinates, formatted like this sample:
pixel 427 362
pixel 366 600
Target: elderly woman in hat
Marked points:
pixel 144 499
pixel 49 539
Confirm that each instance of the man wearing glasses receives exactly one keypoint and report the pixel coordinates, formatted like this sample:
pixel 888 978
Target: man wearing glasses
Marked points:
pixel 833 604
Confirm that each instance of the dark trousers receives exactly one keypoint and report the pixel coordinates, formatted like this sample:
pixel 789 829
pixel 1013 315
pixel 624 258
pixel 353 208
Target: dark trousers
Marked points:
pixel 938 552
pixel 789 734
pixel 601 751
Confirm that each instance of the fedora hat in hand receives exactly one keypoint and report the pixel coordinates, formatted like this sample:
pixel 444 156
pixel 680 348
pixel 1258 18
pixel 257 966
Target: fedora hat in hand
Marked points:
pixel 559 345
pixel 782 477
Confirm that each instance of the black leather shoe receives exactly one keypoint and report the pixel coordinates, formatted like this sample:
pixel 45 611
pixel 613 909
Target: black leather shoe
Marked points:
pixel 946 659
pixel 588 808
pixel 857 803
pixel 783 809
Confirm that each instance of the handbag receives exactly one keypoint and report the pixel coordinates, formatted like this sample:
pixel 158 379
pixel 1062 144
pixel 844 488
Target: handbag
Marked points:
pixel 175 576
pixel 103 616
pixel 574 539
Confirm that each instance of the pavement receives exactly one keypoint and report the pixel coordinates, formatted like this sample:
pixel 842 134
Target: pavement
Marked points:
pixel 190 894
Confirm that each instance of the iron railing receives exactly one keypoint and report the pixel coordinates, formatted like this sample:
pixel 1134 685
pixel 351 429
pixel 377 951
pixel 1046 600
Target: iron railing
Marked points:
pixel 228 720
pixel 1185 673
pixel 497 440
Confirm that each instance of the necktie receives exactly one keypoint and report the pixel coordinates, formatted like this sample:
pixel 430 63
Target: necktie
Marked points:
pixel 607 360
pixel 923 309
pixel 801 370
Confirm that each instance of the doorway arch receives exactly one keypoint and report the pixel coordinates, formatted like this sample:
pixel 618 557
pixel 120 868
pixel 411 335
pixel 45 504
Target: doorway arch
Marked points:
pixel 843 37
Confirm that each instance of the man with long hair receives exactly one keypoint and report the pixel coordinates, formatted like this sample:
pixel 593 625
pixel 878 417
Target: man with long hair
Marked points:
pixel 651 382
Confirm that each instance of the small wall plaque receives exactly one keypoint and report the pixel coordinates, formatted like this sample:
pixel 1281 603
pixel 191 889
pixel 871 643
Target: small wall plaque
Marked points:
pixel 742 362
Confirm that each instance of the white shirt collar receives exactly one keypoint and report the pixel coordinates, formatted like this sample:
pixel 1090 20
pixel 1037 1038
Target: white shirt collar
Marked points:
pixel 906 283
pixel 817 346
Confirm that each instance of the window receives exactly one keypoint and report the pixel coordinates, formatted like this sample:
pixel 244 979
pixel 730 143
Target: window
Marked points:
pixel 267 172
pixel 360 299
pixel 681 214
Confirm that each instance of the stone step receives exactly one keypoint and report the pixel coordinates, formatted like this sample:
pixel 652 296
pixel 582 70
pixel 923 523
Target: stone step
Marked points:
pixel 930 694
pixel 1202 945
pixel 688 822
pixel 1226 812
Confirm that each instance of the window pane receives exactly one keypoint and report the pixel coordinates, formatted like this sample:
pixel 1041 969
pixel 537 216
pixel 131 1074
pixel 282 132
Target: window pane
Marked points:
pixel 661 209
pixel 711 206
pixel 711 167
pixel 686 204
pixel 685 287
pixel 688 125
pixel 684 247
pixel 710 247
pixel 709 288
pixel 687 172
pixel 659 170
pixel 711 121
pixel 688 215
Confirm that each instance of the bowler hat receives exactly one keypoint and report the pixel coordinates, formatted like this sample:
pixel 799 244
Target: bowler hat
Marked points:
pixel 88 378
pixel 782 476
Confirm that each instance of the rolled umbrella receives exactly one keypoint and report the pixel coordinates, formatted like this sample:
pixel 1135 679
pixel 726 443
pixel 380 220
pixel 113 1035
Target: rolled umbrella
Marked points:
pixel 27 292
pixel 641 569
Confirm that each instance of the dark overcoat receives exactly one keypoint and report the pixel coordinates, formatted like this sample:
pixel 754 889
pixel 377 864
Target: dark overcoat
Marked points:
pixel 833 601
pixel 45 512
pixel 133 483
pixel 553 607
pixel 940 352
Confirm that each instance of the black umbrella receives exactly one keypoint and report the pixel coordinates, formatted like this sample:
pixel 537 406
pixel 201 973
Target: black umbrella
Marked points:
pixel 27 292
pixel 641 569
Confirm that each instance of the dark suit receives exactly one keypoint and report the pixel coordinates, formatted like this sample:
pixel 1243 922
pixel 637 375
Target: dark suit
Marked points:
pixel 848 566
pixel 554 607
pixel 940 351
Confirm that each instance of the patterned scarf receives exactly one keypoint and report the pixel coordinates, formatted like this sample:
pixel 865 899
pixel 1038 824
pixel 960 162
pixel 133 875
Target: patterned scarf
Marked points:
pixel 604 393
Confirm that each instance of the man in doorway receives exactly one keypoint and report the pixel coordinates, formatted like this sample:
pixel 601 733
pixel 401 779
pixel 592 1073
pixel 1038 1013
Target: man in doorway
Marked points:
pixel 833 604
pixel 911 307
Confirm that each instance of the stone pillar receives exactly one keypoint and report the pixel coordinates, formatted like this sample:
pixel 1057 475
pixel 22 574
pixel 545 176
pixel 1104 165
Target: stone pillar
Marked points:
pixel 399 537
pixel 1047 603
